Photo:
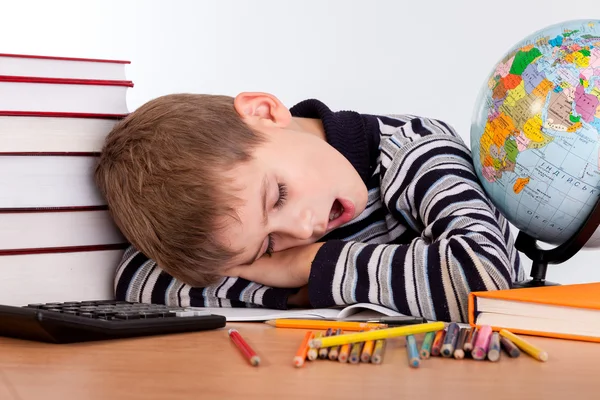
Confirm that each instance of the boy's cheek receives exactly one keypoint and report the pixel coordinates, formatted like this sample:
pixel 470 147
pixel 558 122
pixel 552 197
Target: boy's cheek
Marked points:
pixel 286 244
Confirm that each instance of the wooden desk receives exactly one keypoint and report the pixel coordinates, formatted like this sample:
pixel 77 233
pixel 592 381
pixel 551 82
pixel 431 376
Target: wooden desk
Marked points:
pixel 208 366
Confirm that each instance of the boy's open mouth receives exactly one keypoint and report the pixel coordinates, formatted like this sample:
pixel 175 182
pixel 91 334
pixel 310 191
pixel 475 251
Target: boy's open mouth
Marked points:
pixel 341 212
pixel 336 210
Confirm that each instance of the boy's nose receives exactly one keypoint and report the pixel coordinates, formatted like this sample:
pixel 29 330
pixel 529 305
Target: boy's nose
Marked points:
pixel 302 226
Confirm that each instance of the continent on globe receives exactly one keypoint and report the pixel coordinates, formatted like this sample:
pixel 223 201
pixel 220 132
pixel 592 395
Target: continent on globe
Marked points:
pixel 520 184
pixel 586 104
pixel 559 111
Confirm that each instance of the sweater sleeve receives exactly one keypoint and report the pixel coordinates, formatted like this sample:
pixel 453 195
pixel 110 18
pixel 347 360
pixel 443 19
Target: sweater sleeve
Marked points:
pixel 140 279
pixel 463 244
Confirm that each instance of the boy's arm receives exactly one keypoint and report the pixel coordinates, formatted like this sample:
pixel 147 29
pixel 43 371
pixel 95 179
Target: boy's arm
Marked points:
pixel 140 279
pixel 427 183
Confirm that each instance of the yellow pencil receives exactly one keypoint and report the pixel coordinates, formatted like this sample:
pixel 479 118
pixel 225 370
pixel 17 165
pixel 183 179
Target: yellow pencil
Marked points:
pixel 378 351
pixel 355 351
pixel 524 345
pixel 320 324
pixel 376 334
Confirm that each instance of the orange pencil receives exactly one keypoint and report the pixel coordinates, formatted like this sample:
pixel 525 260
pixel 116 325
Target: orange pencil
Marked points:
pixel 303 349
pixel 318 324
pixel 437 342
pixel 344 353
pixel 367 351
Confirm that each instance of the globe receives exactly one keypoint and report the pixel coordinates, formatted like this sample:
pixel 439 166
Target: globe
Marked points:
pixel 535 132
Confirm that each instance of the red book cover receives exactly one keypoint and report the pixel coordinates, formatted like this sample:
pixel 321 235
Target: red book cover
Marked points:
pixel 52 209
pixel 64 81
pixel 58 114
pixel 72 249
pixel 64 58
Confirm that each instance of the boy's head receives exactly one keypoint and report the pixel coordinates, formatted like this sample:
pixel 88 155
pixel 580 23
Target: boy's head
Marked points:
pixel 201 183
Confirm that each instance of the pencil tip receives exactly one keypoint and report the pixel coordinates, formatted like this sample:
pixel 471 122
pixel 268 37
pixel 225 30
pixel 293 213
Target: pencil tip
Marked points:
pixel 270 322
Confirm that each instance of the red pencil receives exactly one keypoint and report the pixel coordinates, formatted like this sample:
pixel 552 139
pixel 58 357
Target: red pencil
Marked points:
pixel 244 347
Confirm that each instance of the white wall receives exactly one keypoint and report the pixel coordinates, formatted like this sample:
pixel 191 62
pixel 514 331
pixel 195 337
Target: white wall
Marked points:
pixel 420 57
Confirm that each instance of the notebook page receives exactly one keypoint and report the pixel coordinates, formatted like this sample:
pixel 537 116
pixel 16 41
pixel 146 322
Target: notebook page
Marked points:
pixel 366 310
pixel 265 314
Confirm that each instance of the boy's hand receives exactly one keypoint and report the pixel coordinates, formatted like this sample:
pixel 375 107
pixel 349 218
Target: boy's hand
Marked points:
pixel 287 268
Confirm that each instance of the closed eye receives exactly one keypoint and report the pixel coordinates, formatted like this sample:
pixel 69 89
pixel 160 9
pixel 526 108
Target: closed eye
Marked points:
pixel 282 195
pixel 278 204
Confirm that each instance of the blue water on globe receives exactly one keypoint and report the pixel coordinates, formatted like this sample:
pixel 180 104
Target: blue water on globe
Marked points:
pixel 536 128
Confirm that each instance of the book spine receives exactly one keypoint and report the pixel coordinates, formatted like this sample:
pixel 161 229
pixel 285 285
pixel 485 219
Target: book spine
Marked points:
pixel 51 153
pixel 8 113
pixel 471 308
pixel 53 209
pixel 40 57
pixel 69 249
pixel 63 81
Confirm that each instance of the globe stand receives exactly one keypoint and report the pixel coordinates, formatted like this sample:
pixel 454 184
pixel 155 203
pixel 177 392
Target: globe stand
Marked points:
pixel 541 257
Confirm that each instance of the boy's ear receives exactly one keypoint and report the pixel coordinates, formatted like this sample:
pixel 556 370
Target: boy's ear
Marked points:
pixel 256 106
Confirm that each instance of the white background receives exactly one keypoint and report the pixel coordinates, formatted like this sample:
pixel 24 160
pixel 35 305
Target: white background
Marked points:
pixel 418 57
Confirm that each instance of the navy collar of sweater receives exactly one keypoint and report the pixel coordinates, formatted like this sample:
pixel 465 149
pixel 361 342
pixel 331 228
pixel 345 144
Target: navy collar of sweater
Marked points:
pixel 354 135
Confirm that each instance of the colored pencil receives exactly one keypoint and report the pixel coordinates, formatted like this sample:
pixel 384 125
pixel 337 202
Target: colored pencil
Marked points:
pixel 377 334
pixel 450 340
pixel 412 351
pixel 303 349
pixel 367 351
pixel 438 340
pixel 524 345
pixel 335 350
pixel 312 354
pixel 319 324
pixel 470 340
pixel 378 351
pixel 355 351
pixel 426 345
pixel 459 351
pixel 324 352
pixel 344 353
pixel 482 343
pixel 509 347
pixel 493 353
pixel 244 347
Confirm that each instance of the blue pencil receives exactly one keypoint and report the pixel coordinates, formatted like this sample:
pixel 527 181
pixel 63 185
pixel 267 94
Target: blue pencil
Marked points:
pixel 413 352
pixel 450 340
pixel 494 347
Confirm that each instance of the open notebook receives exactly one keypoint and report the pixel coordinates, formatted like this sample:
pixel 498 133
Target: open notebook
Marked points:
pixel 354 312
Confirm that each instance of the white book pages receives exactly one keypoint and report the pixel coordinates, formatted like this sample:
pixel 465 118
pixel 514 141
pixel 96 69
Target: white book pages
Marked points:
pixel 57 229
pixel 59 97
pixel 60 68
pixel 48 181
pixel 53 134
pixel 58 277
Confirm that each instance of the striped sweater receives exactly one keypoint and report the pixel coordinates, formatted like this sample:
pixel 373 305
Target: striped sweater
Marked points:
pixel 427 237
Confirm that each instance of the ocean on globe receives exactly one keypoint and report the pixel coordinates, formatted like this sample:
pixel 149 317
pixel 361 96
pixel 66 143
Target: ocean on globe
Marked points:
pixel 535 132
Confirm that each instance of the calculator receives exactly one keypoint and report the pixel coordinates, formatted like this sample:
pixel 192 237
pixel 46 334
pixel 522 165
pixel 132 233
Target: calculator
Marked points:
pixel 83 321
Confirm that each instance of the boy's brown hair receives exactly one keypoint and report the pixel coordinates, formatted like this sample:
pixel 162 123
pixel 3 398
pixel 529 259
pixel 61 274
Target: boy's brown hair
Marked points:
pixel 162 173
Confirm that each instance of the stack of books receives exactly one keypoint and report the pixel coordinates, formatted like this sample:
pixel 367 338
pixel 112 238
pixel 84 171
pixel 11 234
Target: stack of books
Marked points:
pixel 57 239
